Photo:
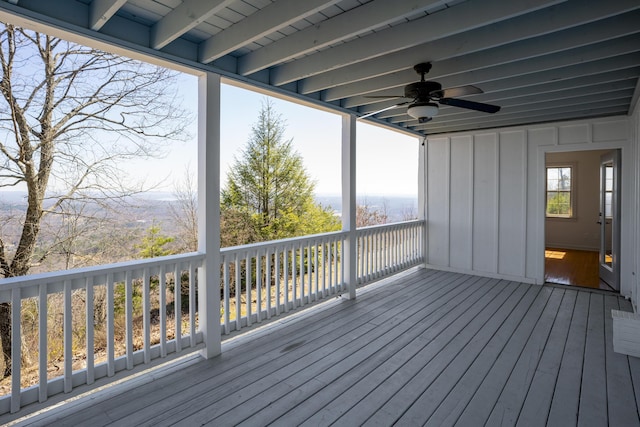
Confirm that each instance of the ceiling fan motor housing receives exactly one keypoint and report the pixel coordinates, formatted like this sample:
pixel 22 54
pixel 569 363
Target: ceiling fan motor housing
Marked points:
pixel 420 90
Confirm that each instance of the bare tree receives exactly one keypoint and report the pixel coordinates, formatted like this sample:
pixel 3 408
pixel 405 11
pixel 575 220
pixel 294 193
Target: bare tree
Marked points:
pixel 71 237
pixel 409 213
pixel 70 117
pixel 367 215
pixel 184 211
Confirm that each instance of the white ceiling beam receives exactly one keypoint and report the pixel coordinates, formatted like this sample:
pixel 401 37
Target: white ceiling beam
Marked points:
pixel 100 11
pixel 609 29
pixel 539 29
pixel 463 17
pixel 257 25
pixel 588 60
pixel 188 14
pixel 362 19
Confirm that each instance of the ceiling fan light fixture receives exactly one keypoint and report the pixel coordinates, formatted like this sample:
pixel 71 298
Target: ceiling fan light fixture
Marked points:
pixel 419 110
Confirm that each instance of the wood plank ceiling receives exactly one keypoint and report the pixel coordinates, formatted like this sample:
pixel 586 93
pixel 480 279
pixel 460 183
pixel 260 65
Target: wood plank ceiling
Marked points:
pixel 540 60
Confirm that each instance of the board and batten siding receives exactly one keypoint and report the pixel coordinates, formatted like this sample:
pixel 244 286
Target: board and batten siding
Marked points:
pixel 484 201
pixel 476 200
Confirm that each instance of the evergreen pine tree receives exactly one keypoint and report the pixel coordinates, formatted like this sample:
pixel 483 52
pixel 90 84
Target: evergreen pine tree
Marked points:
pixel 269 194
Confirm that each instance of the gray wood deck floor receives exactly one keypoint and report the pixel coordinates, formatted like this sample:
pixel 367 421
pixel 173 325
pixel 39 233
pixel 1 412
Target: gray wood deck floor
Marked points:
pixel 425 348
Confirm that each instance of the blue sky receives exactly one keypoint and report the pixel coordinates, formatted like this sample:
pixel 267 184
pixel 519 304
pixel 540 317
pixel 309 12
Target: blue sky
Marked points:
pixel 387 160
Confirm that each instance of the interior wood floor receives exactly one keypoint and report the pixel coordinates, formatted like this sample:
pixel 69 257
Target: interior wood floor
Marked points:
pixel 573 267
pixel 422 348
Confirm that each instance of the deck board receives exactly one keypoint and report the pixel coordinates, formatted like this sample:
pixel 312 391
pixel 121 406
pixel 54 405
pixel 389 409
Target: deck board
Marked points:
pixel 419 376
pixel 455 402
pixel 564 411
pixel 487 394
pixel 593 409
pixel 538 396
pixel 324 394
pixel 425 347
pixel 312 364
pixel 395 375
pixel 435 385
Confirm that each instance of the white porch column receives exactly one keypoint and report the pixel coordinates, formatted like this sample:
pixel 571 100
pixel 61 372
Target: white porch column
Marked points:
pixel 349 201
pixel 422 191
pixel 209 211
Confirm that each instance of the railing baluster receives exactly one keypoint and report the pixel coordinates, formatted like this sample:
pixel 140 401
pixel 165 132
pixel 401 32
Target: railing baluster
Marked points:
pixel 248 285
pixel 90 327
pixel 16 350
pixel 177 306
pixel 285 277
pixel 316 269
pixel 110 326
pixel 342 255
pixel 68 337
pixel 294 279
pixel 309 273
pixel 226 292
pixel 192 304
pixel 276 281
pixel 258 286
pixel 331 288
pixel 129 318
pixel 146 314
pixel 335 266
pixel 162 301
pixel 302 275
pixel 238 288
pixel 43 351
pixel 324 267
pixel 267 268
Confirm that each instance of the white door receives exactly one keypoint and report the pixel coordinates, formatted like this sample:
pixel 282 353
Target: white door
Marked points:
pixel 609 219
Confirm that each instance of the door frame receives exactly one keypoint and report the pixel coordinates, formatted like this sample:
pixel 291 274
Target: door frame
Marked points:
pixel 537 199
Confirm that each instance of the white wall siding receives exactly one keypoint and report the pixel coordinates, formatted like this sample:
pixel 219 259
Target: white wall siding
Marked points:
pixel 438 195
pixel 461 203
pixel 485 196
pixel 485 203
pixel 512 203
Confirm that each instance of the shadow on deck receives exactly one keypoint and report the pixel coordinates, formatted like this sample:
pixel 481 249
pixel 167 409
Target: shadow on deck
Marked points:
pixel 423 347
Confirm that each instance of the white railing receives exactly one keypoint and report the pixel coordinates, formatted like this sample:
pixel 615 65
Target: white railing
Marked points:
pixel 282 275
pixel 291 273
pixel 104 313
pixel 93 322
pixel 387 249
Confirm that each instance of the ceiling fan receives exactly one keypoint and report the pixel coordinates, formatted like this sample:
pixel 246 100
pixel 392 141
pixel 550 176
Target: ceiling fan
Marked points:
pixel 424 93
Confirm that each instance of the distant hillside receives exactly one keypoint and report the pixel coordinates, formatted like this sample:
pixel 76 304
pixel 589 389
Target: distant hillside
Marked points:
pixel 397 208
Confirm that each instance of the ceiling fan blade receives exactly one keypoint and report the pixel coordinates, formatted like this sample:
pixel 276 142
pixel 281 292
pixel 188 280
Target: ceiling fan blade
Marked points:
pixel 453 92
pixel 384 109
pixel 463 103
